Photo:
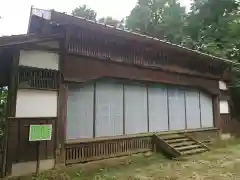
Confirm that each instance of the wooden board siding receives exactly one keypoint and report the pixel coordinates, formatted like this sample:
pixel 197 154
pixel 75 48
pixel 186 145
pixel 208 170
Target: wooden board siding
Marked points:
pixel 230 125
pixel 83 29
pixel 118 50
pixel 22 149
pixel 84 69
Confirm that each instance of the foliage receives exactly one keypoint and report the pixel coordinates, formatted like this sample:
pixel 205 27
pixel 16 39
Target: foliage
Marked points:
pixel 85 12
pixel 90 14
pixel 212 26
pixel 159 18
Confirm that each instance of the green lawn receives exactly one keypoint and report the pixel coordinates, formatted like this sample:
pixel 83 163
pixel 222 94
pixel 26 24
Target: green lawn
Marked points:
pixel 218 164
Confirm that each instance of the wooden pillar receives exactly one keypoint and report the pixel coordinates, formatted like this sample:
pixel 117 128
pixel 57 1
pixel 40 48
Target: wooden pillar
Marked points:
pixel 11 110
pixel 62 102
pixel 216 112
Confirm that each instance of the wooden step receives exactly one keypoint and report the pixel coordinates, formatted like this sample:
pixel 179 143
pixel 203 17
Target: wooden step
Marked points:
pixel 207 142
pixel 177 140
pixel 172 136
pixel 185 143
pixel 184 148
pixel 179 145
pixel 194 151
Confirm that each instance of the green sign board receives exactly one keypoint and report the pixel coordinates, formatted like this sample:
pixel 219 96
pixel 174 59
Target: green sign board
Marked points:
pixel 40 132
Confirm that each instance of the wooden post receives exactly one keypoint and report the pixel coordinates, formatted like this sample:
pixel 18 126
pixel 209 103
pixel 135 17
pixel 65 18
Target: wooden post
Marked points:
pixel 94 109
pixel 216 112
pixel 148 123
pixel 11 110
pixel 61 122
pixel 37 157
pixel 168 108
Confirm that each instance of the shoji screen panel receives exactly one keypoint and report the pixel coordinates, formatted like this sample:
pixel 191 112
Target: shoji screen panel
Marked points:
pixel 109 109
pixel 135 109
pixel 206 104
pixel 158 108
pixel 193 109
pixel 80 111
pixel 177 119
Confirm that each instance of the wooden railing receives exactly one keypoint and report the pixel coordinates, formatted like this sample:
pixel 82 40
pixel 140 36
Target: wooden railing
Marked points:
pixel 89 151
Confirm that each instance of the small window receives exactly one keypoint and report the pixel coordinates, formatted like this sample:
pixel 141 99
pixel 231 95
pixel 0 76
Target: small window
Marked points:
pixel 224 107
pixel 222 85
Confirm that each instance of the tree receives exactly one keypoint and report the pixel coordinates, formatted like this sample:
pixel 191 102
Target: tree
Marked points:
pixel 85 12
pixel 209 26
pixel 110 21
pixel 159 18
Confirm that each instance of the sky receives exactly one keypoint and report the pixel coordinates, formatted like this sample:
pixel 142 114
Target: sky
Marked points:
pixel 15 13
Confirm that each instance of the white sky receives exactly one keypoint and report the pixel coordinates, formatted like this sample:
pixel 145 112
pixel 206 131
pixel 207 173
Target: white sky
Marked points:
pixel 15 13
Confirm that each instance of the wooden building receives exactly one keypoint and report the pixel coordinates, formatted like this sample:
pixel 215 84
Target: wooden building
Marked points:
pixel 106 91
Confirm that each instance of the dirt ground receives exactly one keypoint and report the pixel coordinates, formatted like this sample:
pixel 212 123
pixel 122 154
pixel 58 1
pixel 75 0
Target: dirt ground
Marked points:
pixel 218 164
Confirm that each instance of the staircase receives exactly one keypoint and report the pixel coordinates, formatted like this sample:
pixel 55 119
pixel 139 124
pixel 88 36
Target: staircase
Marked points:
pixel 176 145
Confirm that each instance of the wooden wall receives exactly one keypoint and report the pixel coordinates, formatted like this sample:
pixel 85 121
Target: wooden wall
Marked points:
pixel 21 149
pixel 80 69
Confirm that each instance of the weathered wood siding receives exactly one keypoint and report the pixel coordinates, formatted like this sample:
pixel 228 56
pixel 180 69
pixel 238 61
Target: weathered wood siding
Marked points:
pixel 21 149
pixel 105 46
pixel 80 69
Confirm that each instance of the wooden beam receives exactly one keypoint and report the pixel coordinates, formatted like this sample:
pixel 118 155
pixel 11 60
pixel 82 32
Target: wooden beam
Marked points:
pixel 39 47
pixel 33 39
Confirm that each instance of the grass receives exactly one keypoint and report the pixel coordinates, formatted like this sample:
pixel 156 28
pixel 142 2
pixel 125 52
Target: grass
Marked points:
pixel 218 164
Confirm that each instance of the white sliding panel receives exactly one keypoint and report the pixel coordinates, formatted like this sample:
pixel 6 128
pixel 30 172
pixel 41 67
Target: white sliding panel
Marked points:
pixel 135 109
pixel 176 109
pixel 158 109
pixel 192 109
pixel 39 59
pixel 36 103
pixel 80 112
pixel 206 110
pixel 109 109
